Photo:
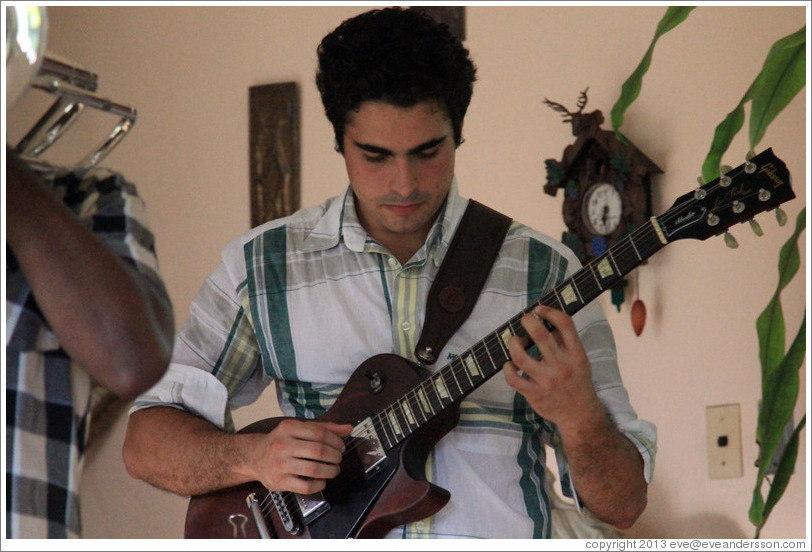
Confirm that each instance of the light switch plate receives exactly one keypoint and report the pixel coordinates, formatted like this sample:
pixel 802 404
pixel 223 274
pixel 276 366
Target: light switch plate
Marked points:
pixel 724 441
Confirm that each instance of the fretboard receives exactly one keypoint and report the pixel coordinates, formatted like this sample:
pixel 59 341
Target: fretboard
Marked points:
pixel 453 382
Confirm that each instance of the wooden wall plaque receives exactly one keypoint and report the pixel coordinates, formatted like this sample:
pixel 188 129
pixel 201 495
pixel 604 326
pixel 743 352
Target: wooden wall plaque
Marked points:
pixel 274 151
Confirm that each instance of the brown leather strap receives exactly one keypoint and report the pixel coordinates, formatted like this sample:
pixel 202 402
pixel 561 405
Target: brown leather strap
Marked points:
pixel 465 268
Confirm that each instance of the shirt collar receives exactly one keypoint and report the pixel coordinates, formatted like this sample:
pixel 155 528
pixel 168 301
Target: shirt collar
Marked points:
pixel 340 221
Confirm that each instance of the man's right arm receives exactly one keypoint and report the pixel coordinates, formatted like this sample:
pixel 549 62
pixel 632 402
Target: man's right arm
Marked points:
pixel 179 452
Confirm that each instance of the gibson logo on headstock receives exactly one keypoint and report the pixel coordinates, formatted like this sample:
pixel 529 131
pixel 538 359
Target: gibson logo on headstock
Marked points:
pixel 769 170
pixel 733 192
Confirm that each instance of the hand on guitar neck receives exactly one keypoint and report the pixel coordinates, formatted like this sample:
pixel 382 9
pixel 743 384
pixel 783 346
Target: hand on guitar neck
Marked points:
pixel 559 388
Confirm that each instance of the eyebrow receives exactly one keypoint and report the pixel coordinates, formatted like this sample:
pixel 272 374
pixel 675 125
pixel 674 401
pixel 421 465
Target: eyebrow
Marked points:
pixel 417 149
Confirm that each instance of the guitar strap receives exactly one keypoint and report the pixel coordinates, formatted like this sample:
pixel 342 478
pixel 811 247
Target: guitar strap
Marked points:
pixel 465 268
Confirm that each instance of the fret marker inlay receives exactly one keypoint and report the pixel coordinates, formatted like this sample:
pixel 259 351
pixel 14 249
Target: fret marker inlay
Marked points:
pixel 605 269
pixel 472 366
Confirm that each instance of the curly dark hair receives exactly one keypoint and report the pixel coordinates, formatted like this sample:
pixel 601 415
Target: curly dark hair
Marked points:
pixel 400 56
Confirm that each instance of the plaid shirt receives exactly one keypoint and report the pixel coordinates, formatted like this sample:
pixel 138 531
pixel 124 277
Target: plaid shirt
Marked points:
pixel 47 396
pixel 303 301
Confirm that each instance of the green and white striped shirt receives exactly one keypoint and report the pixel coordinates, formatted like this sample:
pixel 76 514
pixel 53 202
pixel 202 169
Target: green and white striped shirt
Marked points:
pixel 303 300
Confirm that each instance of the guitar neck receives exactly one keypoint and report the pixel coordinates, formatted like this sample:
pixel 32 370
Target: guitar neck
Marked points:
pixel 453 382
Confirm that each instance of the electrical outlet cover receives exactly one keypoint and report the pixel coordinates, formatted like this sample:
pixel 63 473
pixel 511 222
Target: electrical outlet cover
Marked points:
pixel 724 441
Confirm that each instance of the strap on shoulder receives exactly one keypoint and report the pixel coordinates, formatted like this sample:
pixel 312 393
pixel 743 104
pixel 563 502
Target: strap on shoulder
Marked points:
pixel 466 266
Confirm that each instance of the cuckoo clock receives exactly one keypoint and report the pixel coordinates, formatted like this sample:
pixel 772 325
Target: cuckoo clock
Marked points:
pixel 606 184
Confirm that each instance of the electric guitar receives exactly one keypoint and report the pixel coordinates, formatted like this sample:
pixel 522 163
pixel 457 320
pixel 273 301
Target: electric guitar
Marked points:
pixel 399 411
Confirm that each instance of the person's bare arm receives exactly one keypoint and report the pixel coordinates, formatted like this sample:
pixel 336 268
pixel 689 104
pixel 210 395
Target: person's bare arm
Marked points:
pixel 108 322
pixel 176 451
pixel 606 468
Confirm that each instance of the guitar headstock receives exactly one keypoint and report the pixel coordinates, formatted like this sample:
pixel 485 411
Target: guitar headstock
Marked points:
pixel 753 187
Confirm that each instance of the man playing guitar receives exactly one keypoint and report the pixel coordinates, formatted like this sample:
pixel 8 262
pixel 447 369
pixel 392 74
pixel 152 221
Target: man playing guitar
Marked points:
pixel 303 300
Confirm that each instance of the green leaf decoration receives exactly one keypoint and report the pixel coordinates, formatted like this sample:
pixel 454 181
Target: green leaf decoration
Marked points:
pixel 631 88
pixel 781 78
pixel 779 384
pixel 770 323
pixel 722 137
pixel 779 395
pixel 782 475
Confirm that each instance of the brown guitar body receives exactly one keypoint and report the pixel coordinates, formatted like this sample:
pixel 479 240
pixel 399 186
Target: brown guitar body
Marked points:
pixel 362 505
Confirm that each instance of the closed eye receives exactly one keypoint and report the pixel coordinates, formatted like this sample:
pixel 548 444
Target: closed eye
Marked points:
pixel 375 158
pixel 428 154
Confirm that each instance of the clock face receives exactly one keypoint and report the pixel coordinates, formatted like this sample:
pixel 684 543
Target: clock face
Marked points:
pixel 602 208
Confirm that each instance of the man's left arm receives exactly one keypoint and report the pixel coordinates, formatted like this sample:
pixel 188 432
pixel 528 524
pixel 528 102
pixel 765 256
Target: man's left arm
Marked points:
pixel 111 315
pixel 605 467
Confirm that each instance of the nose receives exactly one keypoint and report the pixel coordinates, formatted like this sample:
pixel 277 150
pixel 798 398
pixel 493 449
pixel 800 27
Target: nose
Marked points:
pixel 404 177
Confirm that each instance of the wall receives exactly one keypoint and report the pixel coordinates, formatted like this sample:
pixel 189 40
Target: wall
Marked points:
pixel 188 70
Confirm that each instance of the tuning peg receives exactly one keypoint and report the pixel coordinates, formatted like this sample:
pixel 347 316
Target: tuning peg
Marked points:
pixel 780 216
pixel 756 227
pixel 730 241
pixel 724 179
pixel 750 155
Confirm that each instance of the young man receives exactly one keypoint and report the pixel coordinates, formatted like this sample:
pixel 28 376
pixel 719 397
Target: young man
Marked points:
pixel 303 301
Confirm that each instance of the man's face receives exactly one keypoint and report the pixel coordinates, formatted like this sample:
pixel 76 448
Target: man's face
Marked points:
pixel 400 163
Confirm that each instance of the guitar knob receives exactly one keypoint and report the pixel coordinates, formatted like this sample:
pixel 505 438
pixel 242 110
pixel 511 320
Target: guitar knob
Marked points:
pixel 764 195
pixel 700 194
pixel 730 241
pixel 738 207
pixel 713 219
pixel 725 181
pixel 750 167
pixel 756 227
pixel 375 381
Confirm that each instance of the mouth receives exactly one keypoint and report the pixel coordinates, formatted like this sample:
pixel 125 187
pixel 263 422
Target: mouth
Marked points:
pixel 402 208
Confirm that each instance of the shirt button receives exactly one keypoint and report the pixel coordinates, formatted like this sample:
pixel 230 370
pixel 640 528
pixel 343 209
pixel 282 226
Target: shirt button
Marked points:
pixel 420 526
pixel 393 262
pixel 406 326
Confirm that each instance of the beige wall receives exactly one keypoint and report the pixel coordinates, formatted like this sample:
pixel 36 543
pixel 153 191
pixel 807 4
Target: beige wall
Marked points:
pixel 188 70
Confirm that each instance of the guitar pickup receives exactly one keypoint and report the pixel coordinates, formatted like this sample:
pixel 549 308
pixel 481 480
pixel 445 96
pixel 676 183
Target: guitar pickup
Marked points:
pixel 368 447
pixel 311 506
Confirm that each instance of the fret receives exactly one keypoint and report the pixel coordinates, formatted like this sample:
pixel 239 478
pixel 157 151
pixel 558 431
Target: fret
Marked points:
pixel 625 259
pixel 636 252
pixel 385 432
pixel 597 280
pixel 440 388
pixel 423 401
pixel 431 394
pixel 560 303
pixel 496 352
pixel 492 364
pixel 472 366
pixel 605 268
pixel 461 369
pixel 453 379
pixel 393 422
pixel 612 258
pixel 408 415
pixel 571 297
